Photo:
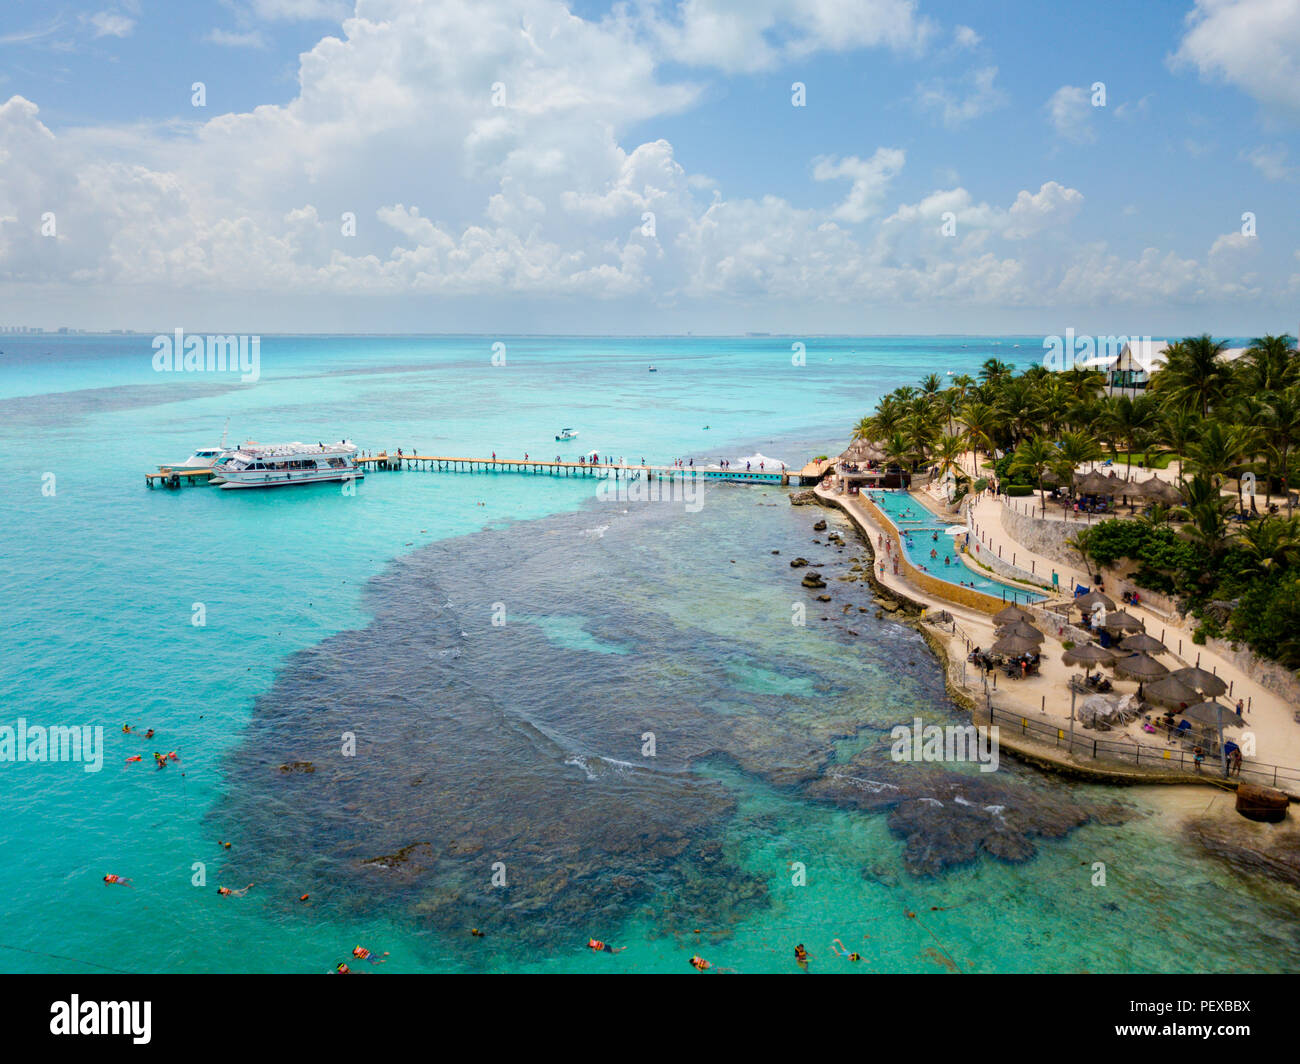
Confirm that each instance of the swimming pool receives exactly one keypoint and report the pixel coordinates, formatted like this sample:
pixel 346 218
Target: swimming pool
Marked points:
pixel 921 532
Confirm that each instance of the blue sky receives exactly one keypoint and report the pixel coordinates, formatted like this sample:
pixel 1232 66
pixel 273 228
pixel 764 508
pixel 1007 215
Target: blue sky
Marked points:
pixel 527 213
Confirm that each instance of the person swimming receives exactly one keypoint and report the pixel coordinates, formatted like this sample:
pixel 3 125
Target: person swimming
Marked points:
pixel 136 758
pixel 363 954
pixel 342 969
pixel 700 964
pixel 605 947
pixel 801 956
pixel 226 892
pixel 113 878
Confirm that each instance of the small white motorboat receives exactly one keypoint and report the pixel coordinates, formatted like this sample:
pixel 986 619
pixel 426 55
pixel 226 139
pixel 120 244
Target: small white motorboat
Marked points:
pixel 653 370
pixel 203 458
pixel 567 434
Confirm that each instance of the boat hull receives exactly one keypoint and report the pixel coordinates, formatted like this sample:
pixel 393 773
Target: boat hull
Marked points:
pixel 286 480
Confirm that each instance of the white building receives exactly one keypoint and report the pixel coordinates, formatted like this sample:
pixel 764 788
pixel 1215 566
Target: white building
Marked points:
pixel 1133 367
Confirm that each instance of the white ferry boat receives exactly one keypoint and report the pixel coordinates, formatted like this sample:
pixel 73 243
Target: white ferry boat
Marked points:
pixel 203 458
pixel 260 465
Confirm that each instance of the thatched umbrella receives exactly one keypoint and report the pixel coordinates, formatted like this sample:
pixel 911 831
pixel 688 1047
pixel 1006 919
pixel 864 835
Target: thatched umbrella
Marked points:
pixel 1170 691
pixel 1020 629
pixel 1122 621
pixel 1158 490
pixel 1011 614
pixel 1087 655
pixel 1148 644
pixel 1086 602
pixel 1140 667
pixel 1219 716
pixel 1014 645
pixel 1092 484
pixel 857 451
pixel 1205 682
pixel 1163 491
pixel 1214 713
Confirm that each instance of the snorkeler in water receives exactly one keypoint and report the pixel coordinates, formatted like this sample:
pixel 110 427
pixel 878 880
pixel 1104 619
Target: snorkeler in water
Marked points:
pixel 603 947
pixel 840 950
pixel 112 878
pixel 363 954
pixel 226 892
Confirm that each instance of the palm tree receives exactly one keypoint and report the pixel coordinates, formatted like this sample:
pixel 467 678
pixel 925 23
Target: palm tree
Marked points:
pixel 1035 456
pixel 1209 514
pixel 1270 544
pixel 1218 451
pixel 1268 365
pixel 1075 449
pixel 947 455
pixel 993 370
pixel 918 430
pixel 1127 420
pixel 1178 430
pixel 1280 423
pixel 1081 543
pixel 981 423
pixel 898 451
pixel 1194 375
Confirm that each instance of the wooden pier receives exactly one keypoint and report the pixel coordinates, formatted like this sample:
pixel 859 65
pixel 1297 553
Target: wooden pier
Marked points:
pixel 175 478
pixel 540 467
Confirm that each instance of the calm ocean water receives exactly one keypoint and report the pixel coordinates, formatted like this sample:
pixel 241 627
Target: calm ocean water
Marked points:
pixel 517 749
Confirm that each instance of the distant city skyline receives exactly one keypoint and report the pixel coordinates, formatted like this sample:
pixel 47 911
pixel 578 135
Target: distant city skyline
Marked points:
pixel 867 167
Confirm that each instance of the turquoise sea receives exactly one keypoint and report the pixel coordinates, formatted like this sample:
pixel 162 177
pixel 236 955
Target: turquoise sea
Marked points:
pixel 492 652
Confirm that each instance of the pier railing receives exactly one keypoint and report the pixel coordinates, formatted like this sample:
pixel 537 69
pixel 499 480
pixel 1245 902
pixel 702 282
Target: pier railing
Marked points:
pixel 1173 758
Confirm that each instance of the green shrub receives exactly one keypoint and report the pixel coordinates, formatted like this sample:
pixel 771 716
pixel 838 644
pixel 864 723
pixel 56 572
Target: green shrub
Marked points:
pixel 981 485
pixel 1019 490
pixel 1005 476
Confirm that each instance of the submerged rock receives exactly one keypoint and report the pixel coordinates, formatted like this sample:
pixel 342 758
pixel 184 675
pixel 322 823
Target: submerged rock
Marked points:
pixel 950 818
pixel 1268 850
